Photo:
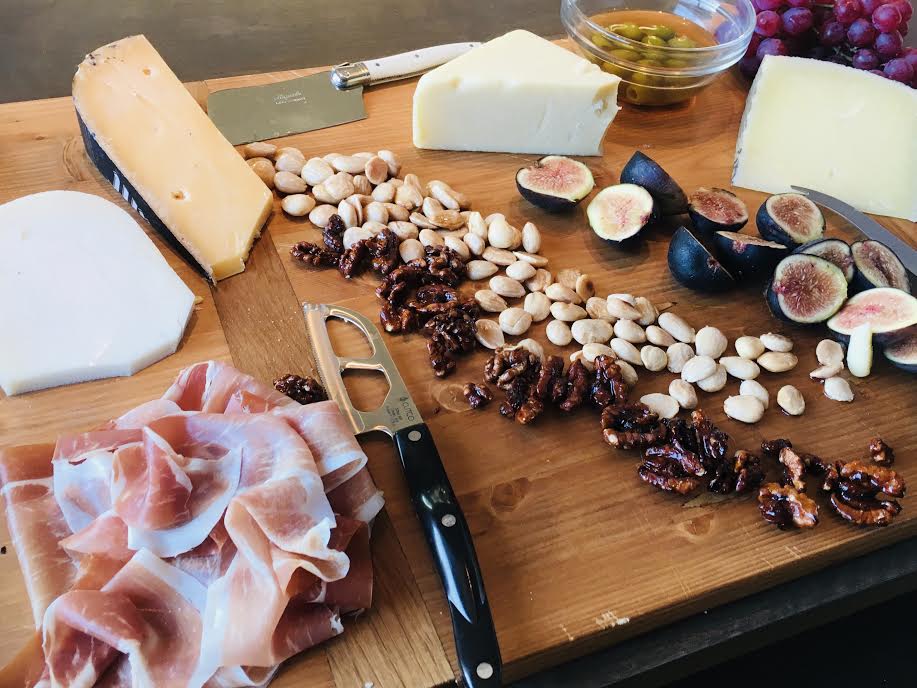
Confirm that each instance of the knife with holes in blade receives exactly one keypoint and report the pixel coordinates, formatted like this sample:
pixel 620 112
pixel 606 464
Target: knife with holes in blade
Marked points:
pixel 434 501
pixel 866 225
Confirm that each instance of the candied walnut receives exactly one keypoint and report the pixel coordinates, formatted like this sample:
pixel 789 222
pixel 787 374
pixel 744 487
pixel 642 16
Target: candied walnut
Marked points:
pixel 772 448
pixel 436 293
pixel 670 483
pixel 880 452
pixel 305 390
pixel 442 359
pixel 877 478
pixel 354 259
pixel 530 409
pixel 454 327
pixel 313 254
pixel 864 511
pixel 397 319
pixel 333 234
pixel 517 372
pixel 712 443
pixel 794 469
pixel 398 284
pixel 689 462
pixel 571 393
pixel 477 395
pixel 550 375
pixel 630 426
pixel 786 507
pixel 384 251
pixel 742 473
pixel 608 387
pixel 444 265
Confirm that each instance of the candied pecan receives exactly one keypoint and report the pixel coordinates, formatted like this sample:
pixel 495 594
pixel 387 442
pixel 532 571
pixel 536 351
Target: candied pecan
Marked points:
pixel 609 386
pixel 794 469
pixel 354 259
pixel 305 390
pixel 313 254
pixel 786 507
pixel 333 234
pixel 384 251
pixel 772 448
pixel 571 393
pixel 477 395
pixel 880 452
pixel 740 474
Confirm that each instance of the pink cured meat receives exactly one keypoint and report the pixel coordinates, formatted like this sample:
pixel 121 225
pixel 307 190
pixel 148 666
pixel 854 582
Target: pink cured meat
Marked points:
pixel 208 387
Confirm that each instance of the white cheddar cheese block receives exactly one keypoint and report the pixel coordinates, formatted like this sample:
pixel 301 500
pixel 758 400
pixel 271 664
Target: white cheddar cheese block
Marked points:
pixel 838 130
pixel 84 293
pixel 154 143
pixel 517 94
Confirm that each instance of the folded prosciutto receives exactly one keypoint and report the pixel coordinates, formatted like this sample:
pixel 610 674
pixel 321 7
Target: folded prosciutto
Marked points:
pixel 200 539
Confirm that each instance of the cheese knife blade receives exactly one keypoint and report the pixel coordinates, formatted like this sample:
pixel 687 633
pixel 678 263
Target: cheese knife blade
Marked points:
pixel 868 226
pixel 434 500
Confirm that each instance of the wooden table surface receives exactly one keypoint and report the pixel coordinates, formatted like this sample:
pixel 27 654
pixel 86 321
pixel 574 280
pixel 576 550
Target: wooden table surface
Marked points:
pixel 577 553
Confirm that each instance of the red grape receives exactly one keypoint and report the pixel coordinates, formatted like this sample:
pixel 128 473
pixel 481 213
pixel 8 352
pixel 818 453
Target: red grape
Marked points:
pixel 869 6
pixel 898 70
pixel 861 33
pixel 748 65
pixel 770 4
pixel 771 46
pixel 767 23
pixel 753 45
pixel 886 18
pixel 796 20
pixel 800 3
pixel 833 33
pixel 888 45
pixel 905 8
pixel 864 58
pixel 911 59
pixel 847 11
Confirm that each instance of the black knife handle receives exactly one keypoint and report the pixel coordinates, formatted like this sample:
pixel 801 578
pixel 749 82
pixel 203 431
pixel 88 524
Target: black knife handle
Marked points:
pixel 447 533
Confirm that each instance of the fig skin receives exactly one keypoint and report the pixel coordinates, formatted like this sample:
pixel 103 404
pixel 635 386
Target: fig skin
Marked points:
pixel 608 195
pixel 693 266
pixel 902 352
pixel 868 277
pixel 833 250
pixel 772 294
pixel 707 225
pixel 769 226
pixel 555 200
pixel 747 256
pixel 643 171
pixel 883 333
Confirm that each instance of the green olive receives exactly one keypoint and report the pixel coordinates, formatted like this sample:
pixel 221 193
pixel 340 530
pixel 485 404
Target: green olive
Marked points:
pixel 654 41
pixel 639 95
pixel 646 79
pixel 649 63
pixel 664 32
pixel 617 70
pixel 675 63
pixel 625 54
pixel 631 31
pixel 681 42
pixel 600 41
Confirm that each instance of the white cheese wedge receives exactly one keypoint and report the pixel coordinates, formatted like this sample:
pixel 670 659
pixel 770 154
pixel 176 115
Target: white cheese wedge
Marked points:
pixel 84 293
pixel 842 131
pixel 154 143
pixel 517 94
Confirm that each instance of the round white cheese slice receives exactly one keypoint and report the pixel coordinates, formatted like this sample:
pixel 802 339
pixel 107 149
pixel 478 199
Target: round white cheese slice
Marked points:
pixel 84 293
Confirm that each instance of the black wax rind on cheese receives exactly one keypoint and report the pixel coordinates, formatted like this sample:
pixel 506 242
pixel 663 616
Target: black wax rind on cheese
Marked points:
pixel 122 185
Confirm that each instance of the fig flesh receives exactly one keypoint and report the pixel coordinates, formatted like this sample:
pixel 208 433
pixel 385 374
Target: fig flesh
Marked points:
pixel 902 352
pixel 891 313
pixel 877 266
pixel 834 251
pixel 619 212
pixel 555 183
pixel 790 219
pixel 643 171
pixel 714 210
pixel 694 266
pixel 806 289
pixel 747 256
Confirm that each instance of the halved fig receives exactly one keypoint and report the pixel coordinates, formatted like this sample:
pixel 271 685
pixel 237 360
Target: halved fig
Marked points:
pixel 877 266
pixel 555 183
pixel 714 210
pixel 902 352
pixel 643 171
pixel 835 251
pixel 694 266
pixel 748 256
pixel 806 289
pixel 891 313
pixel 619 212
pixel 790 219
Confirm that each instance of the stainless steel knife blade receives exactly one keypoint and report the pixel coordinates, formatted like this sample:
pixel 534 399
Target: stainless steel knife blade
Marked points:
pixel 398 410
pixel 869 227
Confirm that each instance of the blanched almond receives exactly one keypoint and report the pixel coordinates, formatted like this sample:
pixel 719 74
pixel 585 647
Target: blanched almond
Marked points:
pixel 568 312
pixel 489 334
pixel 683 392
pixel 749 347
pixel 558 292
pixel 589 331
pixel 777 362
pixel 621 309
pixel 710 341
pixel 755 389
pixel 698 368
pixel 791 400
pixel 676 326
pixel 656 335
pixel 838 389
pixel 480 269
pixel 538 305
pixel 558 332
pixel 520 270
pixel 776 342
pixel 653 358
pixel 740 368
pixel 661 404
pixel 515 321
pixel 507 286
pixel 745 408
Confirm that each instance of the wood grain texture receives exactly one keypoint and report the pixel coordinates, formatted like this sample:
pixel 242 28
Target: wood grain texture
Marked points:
pixel 576 552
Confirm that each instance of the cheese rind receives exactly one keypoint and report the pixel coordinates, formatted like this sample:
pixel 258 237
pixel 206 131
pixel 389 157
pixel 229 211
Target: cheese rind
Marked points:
pixel 518 94
pixel 84 293
pixel 151 139
pixel 842 131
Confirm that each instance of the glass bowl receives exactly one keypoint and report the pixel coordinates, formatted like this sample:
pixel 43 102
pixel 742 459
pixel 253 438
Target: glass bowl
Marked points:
pixel 660 74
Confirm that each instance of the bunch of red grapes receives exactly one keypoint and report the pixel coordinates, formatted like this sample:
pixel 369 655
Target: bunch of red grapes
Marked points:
pixel 865 34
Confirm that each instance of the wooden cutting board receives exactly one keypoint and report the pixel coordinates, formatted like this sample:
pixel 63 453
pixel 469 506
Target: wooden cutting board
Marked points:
pixel 577 553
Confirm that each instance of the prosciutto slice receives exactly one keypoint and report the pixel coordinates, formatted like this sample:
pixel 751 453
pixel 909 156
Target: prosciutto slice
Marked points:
pixel 200 539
